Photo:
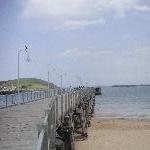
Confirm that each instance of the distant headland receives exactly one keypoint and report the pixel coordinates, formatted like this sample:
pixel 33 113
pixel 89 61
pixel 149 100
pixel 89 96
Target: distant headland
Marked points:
pixel 131 85
pixel 26 84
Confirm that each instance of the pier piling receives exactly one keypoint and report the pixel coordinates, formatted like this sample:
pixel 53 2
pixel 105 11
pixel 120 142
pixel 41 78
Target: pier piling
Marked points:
pixel 69 115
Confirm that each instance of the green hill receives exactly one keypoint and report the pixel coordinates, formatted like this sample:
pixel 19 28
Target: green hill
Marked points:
pixel 25 84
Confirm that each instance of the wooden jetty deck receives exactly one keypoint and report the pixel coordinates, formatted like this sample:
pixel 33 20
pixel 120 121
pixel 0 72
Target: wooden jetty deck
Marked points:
pixel 18 125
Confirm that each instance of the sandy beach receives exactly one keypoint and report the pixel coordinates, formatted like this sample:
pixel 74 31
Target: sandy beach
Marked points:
pixel 117 134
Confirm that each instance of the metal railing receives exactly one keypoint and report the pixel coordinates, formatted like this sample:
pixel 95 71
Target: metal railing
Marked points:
pixel 25 97
pixel 60 106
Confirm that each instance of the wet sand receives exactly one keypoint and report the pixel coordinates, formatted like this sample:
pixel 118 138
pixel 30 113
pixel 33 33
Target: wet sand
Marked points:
pixel 117 134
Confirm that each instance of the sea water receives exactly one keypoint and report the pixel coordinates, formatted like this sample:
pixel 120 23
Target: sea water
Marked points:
pixel 123 102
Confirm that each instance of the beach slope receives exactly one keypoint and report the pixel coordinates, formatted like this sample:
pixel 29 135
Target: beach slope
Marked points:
pixel 117 134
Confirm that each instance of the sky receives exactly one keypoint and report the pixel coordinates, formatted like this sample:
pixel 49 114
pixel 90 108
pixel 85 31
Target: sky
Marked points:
pixel 89 42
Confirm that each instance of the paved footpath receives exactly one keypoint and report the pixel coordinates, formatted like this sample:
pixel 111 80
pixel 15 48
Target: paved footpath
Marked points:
pixel 18 125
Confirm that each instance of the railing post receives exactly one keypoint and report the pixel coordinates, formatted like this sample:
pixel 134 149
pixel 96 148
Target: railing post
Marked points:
pixel 45 142
pixel 34 95
pixel 31 95
pixel 53 121
pixel 23 97
pixel 40 94
pixel 66 109
pixel 62 111
pixel 15 99
pixel 49 129
pixel 27 96
pixel 54 92
pixel 51 93
pixel 56 108
pixel 6 101
pixel 37 94
pixel 45 94
pixel 74 98
pixel 68 102
pixel 12 98
pixel 71 100
pixel 54 125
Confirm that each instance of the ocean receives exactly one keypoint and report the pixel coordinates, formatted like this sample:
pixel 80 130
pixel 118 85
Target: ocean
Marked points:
pixel 123 102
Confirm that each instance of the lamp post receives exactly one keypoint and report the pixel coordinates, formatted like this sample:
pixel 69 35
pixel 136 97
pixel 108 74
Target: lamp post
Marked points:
pixel 18 74
pixel 48 83
pixel 48 77
pixel 61 81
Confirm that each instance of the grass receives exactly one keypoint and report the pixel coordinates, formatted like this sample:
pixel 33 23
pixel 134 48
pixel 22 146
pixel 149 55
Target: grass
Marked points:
pixel 29 84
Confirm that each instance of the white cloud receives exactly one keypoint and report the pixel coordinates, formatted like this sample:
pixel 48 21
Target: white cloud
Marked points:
pixel 142 8
pixel 75 52
pixel 77 24
pixel 81 8
pixel 88 52
pixel 144 50
pixel 119 7
pixel 76 14
pixel 60 8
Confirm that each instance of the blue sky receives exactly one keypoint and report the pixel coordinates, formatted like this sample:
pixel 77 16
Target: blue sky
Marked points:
pixel 100 42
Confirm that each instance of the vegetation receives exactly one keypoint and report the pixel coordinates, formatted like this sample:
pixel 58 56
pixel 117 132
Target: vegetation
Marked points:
pixel 25 84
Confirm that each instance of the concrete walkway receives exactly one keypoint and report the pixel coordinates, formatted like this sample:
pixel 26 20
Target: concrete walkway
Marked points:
pixel 18 125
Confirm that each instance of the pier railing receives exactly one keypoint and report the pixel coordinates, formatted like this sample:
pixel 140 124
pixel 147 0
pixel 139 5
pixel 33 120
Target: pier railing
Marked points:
pixel 59 107
pixel 25 97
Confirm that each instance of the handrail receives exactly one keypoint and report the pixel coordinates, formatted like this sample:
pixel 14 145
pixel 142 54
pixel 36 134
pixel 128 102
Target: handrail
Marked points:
pixel 41 136
pixel 26 97
pixel 60 106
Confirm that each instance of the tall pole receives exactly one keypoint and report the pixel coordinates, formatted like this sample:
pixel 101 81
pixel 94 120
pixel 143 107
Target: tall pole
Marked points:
pixel 48 83
pixel 18 76
pixel 61 82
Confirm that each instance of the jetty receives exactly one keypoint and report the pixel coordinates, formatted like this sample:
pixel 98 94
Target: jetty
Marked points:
pixel 49 123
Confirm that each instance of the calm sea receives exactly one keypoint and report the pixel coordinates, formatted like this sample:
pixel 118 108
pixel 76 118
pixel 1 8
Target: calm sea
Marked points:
pixel 123 102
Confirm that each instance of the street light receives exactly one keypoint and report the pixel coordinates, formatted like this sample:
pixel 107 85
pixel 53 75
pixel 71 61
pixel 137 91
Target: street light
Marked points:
pixel 48 77
pixel 48 83
pixel 61 80
pixel 28 59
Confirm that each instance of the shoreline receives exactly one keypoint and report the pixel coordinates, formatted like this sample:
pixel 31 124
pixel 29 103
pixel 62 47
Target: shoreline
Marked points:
pixel 122 118
pixel 116 134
